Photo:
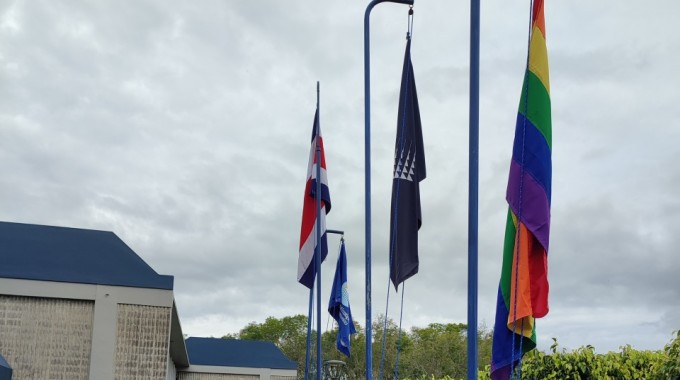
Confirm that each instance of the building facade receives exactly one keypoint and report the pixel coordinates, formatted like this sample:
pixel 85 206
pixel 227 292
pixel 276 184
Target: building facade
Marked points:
pixel 80 304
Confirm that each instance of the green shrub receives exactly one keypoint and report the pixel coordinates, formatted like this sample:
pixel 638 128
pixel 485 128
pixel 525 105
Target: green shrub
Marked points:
pixel 583 363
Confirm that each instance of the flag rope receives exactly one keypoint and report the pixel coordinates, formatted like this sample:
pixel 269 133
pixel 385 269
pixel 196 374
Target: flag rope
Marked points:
pixel 402 129
pixel 329 346
pixel 328 321
pixel 401 315
pixel 384 334
pixel 519 363
pixel 310 315
pixel 519 210
pixel 309 363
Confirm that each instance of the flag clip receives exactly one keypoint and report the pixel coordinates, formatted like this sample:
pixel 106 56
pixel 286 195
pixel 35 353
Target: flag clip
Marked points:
pixel 410 23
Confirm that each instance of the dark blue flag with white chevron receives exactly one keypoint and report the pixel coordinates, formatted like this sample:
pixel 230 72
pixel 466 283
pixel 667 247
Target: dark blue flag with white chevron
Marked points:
pixel 338 306
pixel 409 170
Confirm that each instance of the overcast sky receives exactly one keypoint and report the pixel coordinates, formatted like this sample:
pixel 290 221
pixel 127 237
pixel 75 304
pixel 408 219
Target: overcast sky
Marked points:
pixel 184 128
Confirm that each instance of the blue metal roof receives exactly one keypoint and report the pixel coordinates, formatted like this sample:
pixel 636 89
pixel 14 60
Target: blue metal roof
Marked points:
pixel 5 369
pixel 35 252
pixel 237 353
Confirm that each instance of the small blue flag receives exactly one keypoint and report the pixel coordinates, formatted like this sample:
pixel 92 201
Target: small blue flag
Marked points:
pixel 338 306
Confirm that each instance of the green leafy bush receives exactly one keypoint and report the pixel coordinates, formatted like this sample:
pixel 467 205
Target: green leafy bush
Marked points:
pixel 438 352
pixel 584 363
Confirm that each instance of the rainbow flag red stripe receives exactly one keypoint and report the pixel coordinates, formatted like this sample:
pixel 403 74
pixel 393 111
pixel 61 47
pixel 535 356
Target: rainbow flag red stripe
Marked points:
pixel 523 289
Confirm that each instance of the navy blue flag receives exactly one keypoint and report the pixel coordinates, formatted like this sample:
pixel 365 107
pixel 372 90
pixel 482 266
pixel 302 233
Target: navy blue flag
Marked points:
pixel 338 306
pixel 409 170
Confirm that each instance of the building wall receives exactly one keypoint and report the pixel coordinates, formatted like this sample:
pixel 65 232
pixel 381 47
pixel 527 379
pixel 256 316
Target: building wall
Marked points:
pixel 46 338
pixel 172 370
pixel 58 318
pixel 142 342
pixel 206 372
pixel 214 376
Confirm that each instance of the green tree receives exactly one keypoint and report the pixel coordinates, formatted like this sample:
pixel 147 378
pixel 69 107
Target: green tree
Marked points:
pixel 439 351
pixel 392 343
pixel 356 362
pixel 584 363
pixel 669 367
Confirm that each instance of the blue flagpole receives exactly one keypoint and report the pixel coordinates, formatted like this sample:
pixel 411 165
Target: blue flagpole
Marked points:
pixel 473 191
pixel 367 174
pixel 319 358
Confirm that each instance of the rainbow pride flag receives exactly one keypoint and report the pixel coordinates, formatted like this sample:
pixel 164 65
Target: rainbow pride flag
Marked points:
pixel 523 289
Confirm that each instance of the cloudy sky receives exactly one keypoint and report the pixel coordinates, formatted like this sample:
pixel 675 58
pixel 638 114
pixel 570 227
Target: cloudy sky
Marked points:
pixel 184 128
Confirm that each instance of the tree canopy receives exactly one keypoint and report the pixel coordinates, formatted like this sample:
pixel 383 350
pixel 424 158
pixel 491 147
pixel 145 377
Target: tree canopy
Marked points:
pixel 439 351
pixel 436 350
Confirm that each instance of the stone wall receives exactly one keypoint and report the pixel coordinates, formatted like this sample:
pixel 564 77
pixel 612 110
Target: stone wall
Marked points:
pixel 142 342
pixel 46 338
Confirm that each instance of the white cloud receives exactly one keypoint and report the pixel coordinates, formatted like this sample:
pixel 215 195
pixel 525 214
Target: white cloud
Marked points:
pixel 185 130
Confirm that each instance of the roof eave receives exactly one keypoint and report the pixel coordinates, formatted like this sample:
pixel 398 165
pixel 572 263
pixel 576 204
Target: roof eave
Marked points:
pixel 178 348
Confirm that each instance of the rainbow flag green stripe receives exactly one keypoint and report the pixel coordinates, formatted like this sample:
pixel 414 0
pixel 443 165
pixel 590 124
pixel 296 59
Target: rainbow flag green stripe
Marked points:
pixel 538 107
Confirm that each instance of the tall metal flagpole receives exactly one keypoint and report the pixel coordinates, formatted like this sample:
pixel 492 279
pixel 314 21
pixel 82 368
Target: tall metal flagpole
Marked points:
pixel 319 359
pixel 473 191
pixel 367 174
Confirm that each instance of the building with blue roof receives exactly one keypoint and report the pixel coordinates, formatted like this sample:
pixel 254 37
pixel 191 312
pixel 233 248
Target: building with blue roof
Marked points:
pixel 214 355
pixel 81 304
pixel 73 255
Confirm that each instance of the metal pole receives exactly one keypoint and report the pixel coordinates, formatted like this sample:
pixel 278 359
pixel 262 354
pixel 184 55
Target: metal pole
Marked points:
pixel 473 191
pixel 367 174
pixel 319 357
pixel 309 332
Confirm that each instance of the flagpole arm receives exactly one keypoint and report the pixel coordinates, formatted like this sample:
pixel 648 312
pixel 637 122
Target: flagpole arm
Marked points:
pixel 338 232
pixel 473 195
pixel 367 174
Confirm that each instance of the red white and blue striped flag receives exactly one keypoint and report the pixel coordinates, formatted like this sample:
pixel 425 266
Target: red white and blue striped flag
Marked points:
pixel 306 261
